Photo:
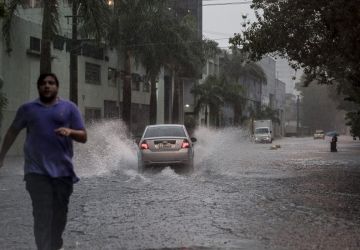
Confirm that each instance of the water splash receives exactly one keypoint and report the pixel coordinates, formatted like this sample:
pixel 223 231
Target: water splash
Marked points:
pixel 108 149
pixel 212 144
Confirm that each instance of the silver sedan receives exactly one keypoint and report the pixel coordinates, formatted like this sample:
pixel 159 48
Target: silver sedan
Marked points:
pixel 166 144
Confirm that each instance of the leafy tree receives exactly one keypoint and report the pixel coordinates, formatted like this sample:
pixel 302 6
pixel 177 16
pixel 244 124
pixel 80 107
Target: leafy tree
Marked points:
pixel 318 109
pixel 322 37
pixel 208 94
pixel 232 93
pixel 2 10
pixel 161 39
pixel 353 119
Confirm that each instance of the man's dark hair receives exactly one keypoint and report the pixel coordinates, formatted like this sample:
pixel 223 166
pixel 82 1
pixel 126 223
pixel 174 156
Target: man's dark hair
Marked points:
pixel 44 75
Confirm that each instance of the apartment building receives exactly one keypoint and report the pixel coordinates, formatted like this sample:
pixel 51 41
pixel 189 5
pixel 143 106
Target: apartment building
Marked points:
pixel 99 72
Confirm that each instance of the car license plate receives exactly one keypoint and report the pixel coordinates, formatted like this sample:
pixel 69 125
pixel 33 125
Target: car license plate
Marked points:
pixel 164 146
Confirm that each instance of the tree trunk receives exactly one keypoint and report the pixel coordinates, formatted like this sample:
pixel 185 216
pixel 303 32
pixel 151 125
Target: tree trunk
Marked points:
pixel 175 113
pixel 126 113
pixel 73 57
pixel 153 100
pixel 206 115
pixel 45 55
pixel 237 113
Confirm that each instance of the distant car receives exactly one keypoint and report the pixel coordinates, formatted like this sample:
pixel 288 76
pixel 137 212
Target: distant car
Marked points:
pixel 319 134
pixel 263 134
pixel 166 144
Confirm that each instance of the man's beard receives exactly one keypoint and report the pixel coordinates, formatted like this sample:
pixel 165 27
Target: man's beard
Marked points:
pixel 48 99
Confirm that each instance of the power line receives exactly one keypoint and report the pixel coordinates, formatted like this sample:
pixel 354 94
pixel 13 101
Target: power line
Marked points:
pixel 217 33
pixel 229 3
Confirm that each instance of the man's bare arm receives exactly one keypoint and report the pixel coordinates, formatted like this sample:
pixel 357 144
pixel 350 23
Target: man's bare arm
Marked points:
pixel 77 135
pixel 9 139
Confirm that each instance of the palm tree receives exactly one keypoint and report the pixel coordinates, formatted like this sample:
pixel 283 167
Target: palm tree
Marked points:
pixel 49 29
pixel 186 60
pixel 94 15
pixel 125 22
pixel 159 40
pixel 233 94
pixel 158 32
pixel 209 94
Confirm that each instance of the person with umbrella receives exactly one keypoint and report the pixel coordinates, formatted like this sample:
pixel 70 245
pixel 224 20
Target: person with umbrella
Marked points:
pixel 333 142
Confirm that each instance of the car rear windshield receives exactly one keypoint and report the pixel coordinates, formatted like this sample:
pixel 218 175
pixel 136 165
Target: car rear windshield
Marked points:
pixel 261 131
pixel 171 131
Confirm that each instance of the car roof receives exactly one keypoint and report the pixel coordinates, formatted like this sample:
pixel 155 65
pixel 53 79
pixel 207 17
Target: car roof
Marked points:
pixel 168 126
pixel 163 125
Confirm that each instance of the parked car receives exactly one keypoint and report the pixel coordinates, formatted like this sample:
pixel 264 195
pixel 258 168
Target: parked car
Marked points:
pixel 166 144
pixel 319 134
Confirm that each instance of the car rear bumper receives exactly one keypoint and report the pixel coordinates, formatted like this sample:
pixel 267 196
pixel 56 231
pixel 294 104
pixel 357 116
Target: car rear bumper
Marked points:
pixel 165 157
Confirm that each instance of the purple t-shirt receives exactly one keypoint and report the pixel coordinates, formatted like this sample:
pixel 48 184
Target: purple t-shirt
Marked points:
pixel 45 151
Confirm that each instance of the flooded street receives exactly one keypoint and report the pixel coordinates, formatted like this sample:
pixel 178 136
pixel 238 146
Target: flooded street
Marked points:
pixel 241 195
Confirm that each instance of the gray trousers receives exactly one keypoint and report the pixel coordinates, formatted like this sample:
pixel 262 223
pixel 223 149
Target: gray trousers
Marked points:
pixel 50 199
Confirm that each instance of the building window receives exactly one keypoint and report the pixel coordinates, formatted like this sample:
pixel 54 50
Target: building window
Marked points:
pixel 146 87
pixel 31 4
pixel 59 42
pixel 92 51
pixel 135 86
pixel 111 111
pixel 35 44
pixel 112 77
pixel 135 81
pixel 92 114
pixel 205 70
pixel 92 73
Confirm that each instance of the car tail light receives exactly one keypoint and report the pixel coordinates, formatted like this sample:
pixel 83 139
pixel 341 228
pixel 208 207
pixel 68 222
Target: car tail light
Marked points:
pixel 144 145
pixel 185 144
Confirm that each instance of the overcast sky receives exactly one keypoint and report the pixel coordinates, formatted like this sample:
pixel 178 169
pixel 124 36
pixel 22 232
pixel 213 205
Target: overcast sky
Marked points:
pixel 224 18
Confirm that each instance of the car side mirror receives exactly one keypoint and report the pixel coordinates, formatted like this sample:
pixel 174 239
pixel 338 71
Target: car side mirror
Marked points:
pixel 193 139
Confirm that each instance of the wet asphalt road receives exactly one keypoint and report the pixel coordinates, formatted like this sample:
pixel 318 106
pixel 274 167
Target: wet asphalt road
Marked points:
pixel 240 196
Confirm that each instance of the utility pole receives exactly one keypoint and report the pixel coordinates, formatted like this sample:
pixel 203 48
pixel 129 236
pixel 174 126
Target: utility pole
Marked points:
pixel 297 116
